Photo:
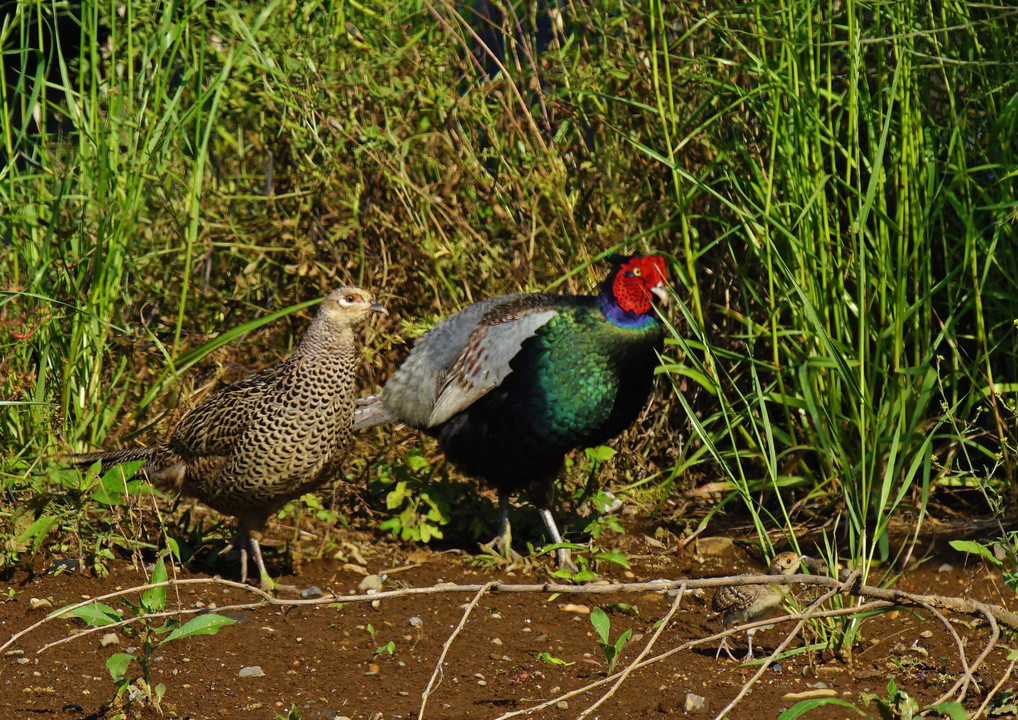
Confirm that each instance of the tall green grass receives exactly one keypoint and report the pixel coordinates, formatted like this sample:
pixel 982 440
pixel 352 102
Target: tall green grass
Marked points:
pixel 834 185
pixel 866 193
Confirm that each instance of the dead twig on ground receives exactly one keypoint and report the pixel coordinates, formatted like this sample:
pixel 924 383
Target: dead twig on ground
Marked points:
pixel 879 598
pixel 445 649
pixel 643 653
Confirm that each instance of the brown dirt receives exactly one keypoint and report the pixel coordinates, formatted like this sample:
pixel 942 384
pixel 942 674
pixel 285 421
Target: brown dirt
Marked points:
pixel 322 660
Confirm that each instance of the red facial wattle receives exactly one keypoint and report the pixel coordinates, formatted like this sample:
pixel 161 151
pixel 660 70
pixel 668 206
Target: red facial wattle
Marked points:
pixel 636 281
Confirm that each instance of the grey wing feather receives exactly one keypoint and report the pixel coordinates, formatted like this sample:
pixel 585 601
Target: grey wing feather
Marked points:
pixel 430 386
pixel 369 412
pixel 484 364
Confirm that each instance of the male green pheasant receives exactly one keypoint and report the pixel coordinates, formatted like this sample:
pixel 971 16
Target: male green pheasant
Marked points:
pixel 509 385
pixel 269 437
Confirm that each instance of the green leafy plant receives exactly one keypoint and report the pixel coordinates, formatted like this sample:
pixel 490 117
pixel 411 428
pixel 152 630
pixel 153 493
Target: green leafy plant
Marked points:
pixel 588 559
pixel 898 705
pixel 76 513
pixel 388 649
pixel 1002 555
pixel 418 512
pixel 292 714
pixel 152 633
pixel 611 650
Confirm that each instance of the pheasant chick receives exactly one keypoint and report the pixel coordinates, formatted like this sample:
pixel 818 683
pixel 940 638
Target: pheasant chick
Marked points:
pixel 749 603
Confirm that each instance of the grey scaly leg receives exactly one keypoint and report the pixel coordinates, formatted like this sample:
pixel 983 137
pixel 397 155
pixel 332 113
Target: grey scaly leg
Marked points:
pixel 564 560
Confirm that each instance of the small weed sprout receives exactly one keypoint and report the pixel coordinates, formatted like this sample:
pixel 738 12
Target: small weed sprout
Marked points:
pixel 388 649
pixel 611 651
pixel 152 601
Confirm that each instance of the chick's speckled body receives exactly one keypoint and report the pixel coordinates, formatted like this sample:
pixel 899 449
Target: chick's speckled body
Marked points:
pixel 271 436
pixel 749 603
pixel 510 384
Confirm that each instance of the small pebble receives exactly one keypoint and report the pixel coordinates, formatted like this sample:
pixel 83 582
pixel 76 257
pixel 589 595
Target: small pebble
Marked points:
pixel 482 683
pixel 714 546
pixel 40 604
pixel 313 591
pixel 251 671
pixel 370 584
pixel 496 641
pixel 926 634
pixel 694 702
pixel 416 622
pixel 109 639
pixel 575 608
pixel 562 705
pixel 946 567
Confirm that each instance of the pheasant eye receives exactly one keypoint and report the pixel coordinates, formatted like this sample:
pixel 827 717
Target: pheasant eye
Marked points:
pixel 637 272
pixel 350 298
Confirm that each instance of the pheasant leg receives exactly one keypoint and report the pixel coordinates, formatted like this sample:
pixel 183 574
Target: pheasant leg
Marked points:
pixel 724 646
pixel 749 641
pixel 239 543
pixel 564 560
pixel 502 542
pixel 267 583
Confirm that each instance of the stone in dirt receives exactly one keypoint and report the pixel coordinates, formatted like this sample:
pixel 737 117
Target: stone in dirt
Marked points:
pixel 694 702
pixel 251 671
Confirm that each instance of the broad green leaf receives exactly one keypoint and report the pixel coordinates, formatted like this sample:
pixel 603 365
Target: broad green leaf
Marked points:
pixel 602 453
pixel 804 706
pixel 118 663
pixel 623 639
pixel 601 623
pixel 153 600
pixel 95 614
pixel 201 625
pixel 975 548
pixel 613 556
pixel 954 710
pixel 37 532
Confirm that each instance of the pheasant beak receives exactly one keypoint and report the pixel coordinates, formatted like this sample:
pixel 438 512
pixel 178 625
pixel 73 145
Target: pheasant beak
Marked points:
pixel 660 293
pixel 378 308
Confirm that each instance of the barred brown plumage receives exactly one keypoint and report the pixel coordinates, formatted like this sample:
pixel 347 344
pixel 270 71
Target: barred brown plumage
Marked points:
pixel 269 437
pixel 748 603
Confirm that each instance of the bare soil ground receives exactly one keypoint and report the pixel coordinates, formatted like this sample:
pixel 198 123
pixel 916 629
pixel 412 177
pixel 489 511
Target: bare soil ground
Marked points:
pixel 322 659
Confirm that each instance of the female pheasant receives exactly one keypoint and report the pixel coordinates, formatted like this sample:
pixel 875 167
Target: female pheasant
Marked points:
pixel 509 385
pixel 270 437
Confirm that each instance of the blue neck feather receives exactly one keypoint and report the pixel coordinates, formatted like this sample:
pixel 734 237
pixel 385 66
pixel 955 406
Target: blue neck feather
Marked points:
pixel 619 317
